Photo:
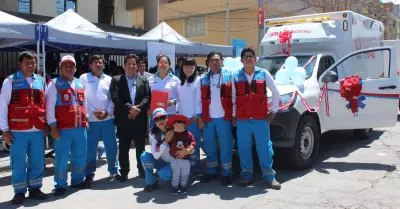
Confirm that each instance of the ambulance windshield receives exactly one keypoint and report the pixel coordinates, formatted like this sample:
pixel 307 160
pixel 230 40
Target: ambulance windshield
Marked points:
pixel 273 64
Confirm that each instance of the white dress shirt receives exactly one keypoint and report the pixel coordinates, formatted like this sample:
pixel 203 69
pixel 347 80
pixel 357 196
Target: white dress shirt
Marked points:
pixel 216 110
pixel 5 98
pixel 163 153
pixel 51 101
pixel 131 81
pixel 97 95
pixel 270 85
pixel 169 84
pixel 189 103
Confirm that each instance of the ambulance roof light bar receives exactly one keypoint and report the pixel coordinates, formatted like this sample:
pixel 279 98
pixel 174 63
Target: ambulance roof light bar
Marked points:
pixel 296 21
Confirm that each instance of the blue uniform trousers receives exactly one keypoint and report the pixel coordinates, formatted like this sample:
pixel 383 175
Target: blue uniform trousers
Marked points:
pixel 29 144
pixel 221 129
pixel 163 168
pixel 245 131
pixel 195 162
pixel 106 131
pixel 71 141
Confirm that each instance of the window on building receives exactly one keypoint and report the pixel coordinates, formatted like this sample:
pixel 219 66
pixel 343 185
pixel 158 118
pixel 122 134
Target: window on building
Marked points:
pixel 64 5
pixel 25 6
pixel 195 27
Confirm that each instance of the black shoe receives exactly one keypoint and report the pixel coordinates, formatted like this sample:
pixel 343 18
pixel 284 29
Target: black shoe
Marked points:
pixel 83 185
pixel 18 199
pixel 141 174
pixel 183 191
pixel 89 178
pixel 175 191
pixel 36 194
pixel 122 178
pixel 60 192
pixel 245 182
pixel 226 181
pixel 207 178
pixel 150 188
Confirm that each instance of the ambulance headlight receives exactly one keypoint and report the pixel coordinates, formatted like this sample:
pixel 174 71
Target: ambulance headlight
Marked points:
pixel 286 102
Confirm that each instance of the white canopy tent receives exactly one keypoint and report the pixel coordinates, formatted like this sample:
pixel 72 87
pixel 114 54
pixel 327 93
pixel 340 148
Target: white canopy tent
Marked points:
pixel 17 34
pixel 70 32
pixel 165 34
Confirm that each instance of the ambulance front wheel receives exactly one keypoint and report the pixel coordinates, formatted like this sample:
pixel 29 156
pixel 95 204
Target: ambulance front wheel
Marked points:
pixel 306 145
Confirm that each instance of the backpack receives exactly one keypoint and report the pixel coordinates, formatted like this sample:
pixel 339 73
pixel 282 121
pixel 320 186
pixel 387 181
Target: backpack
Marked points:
pixel 350 87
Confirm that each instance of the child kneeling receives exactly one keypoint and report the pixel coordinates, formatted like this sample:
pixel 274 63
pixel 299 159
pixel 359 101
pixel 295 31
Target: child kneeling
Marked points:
pixel 181 146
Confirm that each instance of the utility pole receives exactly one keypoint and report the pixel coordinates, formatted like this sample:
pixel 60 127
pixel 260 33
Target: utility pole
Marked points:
pixel 137 16
pixel 228 38
pixel 261 15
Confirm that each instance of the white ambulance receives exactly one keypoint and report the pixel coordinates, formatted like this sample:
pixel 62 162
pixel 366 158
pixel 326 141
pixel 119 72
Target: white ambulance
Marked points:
pixel 331 47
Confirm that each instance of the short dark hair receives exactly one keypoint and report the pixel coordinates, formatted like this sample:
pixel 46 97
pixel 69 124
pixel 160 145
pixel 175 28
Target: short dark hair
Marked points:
pixel 164 56
pixel 212 54
pixel 26 55
pixel 130 56
pixel 142 59
pixel 191 62
pixel 96 57
pixel 248 49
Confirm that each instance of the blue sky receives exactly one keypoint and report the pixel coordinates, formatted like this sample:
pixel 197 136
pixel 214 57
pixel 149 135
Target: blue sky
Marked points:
pixel 394 1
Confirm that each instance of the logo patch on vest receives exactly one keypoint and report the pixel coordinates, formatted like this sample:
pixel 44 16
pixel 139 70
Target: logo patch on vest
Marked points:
pixel 66 97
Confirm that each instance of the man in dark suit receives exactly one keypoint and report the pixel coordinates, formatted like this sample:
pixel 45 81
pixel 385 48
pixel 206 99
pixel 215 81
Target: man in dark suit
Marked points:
pixel 130 93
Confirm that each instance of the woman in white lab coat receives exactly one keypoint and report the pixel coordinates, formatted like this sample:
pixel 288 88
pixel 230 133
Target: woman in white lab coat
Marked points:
pixel 189 105
pixel 165 81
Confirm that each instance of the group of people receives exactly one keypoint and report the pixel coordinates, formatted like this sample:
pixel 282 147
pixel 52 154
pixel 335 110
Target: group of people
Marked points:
pixel 79 112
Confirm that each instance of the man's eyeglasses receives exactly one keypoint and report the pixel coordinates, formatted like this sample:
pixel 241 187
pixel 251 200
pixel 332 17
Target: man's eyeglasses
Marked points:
pixel 160 118
pixel 216 61
pixel 248 57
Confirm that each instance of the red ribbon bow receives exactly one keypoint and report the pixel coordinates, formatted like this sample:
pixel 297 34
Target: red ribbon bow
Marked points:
pixel 284 39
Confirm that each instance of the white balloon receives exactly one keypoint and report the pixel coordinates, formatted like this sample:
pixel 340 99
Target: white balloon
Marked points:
pixel 282 77
pixel 299 76
pixel 291 63
pixel 228 62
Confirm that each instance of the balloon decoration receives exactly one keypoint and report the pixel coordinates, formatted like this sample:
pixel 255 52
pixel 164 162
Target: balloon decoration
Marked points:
pixel 299 76
pixel 290 73
pixel 284 39
pixel 282 77
pixel 233 64
pixel 291 63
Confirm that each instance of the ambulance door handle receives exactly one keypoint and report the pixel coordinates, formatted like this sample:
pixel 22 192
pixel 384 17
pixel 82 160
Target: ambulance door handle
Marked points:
pixel 387 87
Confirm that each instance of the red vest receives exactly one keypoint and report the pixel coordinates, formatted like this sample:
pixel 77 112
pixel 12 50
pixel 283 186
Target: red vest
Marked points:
pixel 251 99
pixel 226 95
pixel 70 105
pixel 26 108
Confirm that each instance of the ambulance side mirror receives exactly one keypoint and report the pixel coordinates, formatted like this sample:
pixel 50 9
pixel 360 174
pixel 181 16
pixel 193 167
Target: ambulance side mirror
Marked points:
pixel 330 77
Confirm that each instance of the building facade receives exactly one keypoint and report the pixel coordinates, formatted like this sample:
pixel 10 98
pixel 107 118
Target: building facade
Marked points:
pixel 88 9
pixel 205 21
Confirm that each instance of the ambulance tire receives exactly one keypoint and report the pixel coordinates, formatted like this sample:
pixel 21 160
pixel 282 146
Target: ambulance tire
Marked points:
pixel 2 146
pixel 362 134
pixel 308 132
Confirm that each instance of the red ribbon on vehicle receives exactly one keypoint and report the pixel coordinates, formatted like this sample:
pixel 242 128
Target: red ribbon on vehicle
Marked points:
pixel 284 39
pixel 323 94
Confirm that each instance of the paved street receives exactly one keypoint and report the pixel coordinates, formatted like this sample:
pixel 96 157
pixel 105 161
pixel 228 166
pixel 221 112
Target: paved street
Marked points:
pixel 350 174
